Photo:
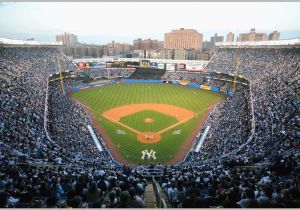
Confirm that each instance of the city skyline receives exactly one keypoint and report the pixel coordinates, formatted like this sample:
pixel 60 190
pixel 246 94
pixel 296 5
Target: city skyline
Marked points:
pixel 104 22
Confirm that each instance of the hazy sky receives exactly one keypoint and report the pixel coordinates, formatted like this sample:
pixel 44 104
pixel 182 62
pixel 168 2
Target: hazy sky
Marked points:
pixel 101 22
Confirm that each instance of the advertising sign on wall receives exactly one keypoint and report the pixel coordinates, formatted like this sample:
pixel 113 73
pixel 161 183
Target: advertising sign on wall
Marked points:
pixel 87 65
pixel 145 63
pixel 204 87
pixel 108 64
pixel 161 66
pixel 153 65
pixel 194 67
pixel 102 64
pixel 180 66
pixel 170 66
pixel 80 65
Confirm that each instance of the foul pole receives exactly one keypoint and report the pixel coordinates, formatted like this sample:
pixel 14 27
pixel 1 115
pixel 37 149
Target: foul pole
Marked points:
pixel 60 77
pixel 236 71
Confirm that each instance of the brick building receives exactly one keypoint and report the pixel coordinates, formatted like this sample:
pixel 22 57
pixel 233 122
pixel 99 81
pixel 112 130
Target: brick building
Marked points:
pixel 183 39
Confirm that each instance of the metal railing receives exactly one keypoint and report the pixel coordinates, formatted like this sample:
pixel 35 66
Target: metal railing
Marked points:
pixel 148 172
pixel 46 114
pixel 159 200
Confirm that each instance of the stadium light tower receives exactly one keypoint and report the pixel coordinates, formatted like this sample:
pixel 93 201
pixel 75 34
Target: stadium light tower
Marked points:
pixel 60 76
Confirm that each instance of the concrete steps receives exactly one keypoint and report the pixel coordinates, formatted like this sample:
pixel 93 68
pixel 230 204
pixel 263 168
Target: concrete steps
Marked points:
pixel 149 197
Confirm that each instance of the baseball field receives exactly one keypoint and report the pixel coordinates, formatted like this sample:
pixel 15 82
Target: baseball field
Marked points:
pixel 148 123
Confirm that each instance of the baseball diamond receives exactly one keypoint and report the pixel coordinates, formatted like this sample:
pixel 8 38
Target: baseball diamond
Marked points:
pixel 149 114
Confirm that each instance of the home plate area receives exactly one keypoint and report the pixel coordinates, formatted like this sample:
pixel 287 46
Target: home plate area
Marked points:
pixel 148 137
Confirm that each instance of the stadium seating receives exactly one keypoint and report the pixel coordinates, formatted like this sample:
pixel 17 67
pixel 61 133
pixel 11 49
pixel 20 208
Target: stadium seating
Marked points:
pixel 147 74
pixel 48 158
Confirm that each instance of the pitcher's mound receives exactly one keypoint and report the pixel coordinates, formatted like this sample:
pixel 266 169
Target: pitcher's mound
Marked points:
pixel 148 137
pixel 148 120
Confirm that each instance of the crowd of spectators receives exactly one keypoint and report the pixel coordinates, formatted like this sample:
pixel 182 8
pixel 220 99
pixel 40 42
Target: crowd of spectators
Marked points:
pixel 24 74
pixel 219 80
pixel 87 178
pixel 275 79
pixel 222 185
pixel 67 125
pixel 275 83
pixel 109 72
pixel 196 77
pixel 24 78
pixel 23 185
pixel 230 125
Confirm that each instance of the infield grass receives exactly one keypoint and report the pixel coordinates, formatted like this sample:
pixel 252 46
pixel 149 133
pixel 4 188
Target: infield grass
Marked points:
pixel 101 99
pixel 160 121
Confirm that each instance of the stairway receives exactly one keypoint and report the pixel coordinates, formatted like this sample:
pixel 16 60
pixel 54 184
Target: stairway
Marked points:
pixel 149 197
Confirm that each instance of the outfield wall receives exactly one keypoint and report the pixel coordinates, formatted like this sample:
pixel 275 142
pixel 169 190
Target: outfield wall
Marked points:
pixel 183 82
pixel 129 81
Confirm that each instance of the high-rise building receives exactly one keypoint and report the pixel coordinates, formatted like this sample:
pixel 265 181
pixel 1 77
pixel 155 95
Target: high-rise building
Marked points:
pixel 206 45
pixel 274 35
pixel 183 39
pixel 230 37
pixel 216 38
pixel 160 44
pixel 181 54
pixel 147 44
pixel 253 36
pixel 166 54
pixel 67 39
pixel 202 56
pixel 117 49
pixel 83 51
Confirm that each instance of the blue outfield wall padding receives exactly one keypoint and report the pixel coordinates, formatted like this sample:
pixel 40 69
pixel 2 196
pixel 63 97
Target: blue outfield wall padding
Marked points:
pixel 174 82
pixel 75 88
pixel 79 87
pixel 215 89
pixel 194 85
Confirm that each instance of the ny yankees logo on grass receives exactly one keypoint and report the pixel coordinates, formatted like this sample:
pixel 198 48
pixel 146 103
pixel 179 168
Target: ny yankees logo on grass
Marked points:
pixel 150 154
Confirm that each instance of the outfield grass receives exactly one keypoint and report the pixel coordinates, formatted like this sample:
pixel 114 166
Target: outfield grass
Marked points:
pixel 101 99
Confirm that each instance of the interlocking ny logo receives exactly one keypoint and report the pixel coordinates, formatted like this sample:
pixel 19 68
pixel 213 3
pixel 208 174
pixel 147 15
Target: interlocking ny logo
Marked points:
pixel 150 154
